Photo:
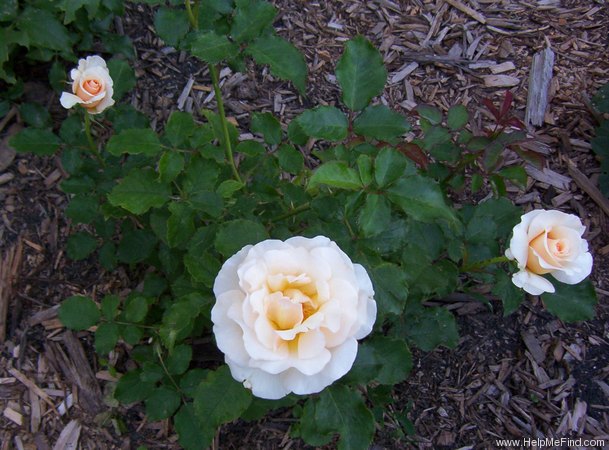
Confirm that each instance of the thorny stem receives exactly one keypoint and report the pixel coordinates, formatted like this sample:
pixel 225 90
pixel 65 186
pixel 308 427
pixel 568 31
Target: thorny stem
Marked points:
pixel 92 145
pixel 297 210
pixel 482 264
pixel 228 150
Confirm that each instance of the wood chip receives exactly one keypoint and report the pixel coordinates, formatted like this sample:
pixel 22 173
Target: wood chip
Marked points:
pixel 68 439
pixel 586 185
pixel 500 81
pixel 548 176
pixel 31 385
pixel 467 10
pixel 185 93
pixel 533 345
pixel 9 270
pixel 539 83
pixel 503 67
pixel 13 415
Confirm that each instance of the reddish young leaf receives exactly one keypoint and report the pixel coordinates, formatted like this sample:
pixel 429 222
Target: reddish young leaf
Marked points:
pixel 531 157
pixel 494 111
pixel 415 153
pixel 516 123
pixel 507 103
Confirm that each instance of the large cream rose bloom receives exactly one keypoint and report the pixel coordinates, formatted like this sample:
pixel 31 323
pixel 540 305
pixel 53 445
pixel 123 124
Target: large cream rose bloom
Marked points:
pixel 549 242
pixel 288 315
pixel 91 86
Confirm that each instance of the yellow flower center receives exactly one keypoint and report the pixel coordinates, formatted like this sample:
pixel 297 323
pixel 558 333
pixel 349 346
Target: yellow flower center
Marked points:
pixel 292 299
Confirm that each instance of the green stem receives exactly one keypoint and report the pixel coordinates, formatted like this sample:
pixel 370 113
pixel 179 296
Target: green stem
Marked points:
pixel 119 322
pixel 297 210
pixel 228 150
pixel 158 352
pixel 92 145
pixel 482 264
pixel 191 17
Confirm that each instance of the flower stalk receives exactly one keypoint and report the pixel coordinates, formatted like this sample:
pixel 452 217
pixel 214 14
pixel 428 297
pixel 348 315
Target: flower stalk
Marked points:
pixel 92 145
pixel 228 150
pixel 476 267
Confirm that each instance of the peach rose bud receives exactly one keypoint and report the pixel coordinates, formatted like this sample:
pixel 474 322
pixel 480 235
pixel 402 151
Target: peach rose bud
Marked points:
pixel 91 86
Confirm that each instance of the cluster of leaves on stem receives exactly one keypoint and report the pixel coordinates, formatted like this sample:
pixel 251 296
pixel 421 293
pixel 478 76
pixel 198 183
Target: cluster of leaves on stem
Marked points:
pixel 176 204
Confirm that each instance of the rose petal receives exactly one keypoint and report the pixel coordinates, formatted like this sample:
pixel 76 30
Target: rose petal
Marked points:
pixel 575 271
pixel 532 283
pixel 227 278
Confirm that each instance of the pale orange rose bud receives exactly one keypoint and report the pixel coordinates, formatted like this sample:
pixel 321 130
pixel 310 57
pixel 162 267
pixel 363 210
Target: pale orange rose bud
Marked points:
pixel 91 86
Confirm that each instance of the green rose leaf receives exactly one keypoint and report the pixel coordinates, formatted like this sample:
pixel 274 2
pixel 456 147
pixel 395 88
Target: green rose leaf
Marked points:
pixel 139 191
pixel 431 113
pixel 324 122
pixel 227 188
pixel 391 165
pixel 82 209
pixel 136 308
pixel 131 388
pixel 78 313
pixel 571 302
pixel 180 126
pixel 296 134
pixel 109 306
pixel 135 246
pixel 220 399
pixel 386 359
pixel 123 77
pixel 80 245
pixel 213 48
pixel 178 361
pixel 343 411
pixel 191 430
pixel 336 174
pixel 171 165
pixel 171 25
pixel 106 337
pixel 380 122
pixel 511 296
pixel 375 216
pixel 421 198
pixel 135 141
pixel 162 403
pixel 457 117
pixel 268 126
pixel 234 235
pixel 251 18
pixel 44 31
pixel 180 225
pixel 361 73
pixel 37 141
pixel 290 159
pixel 391 289
pixel 428 328
pixel 284 60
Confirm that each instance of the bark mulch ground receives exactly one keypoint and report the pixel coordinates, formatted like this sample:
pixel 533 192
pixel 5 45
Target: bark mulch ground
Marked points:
pixel 524 375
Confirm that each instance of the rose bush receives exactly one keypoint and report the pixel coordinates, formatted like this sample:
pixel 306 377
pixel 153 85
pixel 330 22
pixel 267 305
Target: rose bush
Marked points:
pixel 288 315
pixel 549 242
pixel 92 86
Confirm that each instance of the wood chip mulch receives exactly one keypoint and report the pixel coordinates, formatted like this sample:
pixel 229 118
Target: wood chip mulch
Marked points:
pixel 525 375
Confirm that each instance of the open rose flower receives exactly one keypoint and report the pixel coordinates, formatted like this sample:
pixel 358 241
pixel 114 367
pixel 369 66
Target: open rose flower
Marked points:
pixel 288 315
pixel 549 242
pixel 91 86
